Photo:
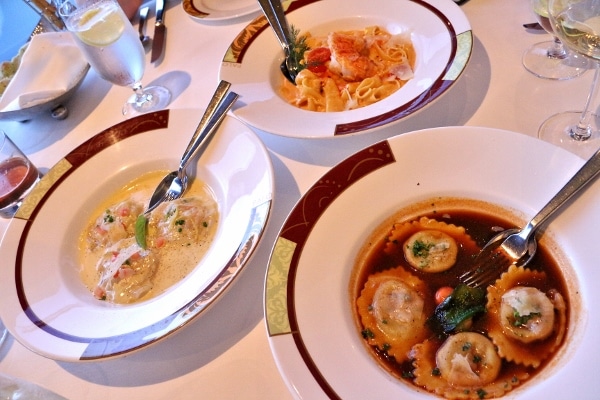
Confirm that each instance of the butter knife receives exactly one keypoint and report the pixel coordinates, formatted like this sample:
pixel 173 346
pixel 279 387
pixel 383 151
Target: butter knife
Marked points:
pixel 158 41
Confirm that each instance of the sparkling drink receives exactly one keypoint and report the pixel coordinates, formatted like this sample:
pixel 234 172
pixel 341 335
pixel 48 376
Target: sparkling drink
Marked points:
pixel 109 42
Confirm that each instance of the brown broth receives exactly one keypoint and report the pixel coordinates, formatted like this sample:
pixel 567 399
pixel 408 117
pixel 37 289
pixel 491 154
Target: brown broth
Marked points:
pixel 481 223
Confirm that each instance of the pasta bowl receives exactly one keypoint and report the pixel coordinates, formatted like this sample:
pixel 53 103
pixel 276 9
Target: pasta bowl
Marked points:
pixel 45 304
pixel 438 29
pixel 316 342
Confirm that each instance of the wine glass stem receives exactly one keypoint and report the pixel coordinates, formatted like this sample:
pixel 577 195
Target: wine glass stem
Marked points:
pixel 557 51
pixel 583 129
pixel 140 96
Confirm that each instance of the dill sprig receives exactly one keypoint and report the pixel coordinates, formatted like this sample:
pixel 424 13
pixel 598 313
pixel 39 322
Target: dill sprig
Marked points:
pixel 299 46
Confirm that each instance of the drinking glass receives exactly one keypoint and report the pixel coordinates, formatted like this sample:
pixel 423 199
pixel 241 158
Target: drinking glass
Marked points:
pixel 113 49
pixel 18 176
pixel 577 24
pixel 3 333
pixel 551 59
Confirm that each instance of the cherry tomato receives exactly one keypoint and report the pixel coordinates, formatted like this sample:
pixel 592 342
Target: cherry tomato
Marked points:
pixel 442 293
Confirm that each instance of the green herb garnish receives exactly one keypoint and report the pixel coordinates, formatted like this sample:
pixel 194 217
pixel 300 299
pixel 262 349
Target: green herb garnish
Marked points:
pixel 108 218
pixel 464 303
pixel 141 229
pixel 421 249
pixel 299 47
pixel 521 320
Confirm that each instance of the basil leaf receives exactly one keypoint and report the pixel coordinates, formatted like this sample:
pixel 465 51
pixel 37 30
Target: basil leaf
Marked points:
pixel 141 228
pixel 464 302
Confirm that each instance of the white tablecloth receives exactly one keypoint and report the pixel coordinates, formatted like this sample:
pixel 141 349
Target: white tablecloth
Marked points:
pixel 225 354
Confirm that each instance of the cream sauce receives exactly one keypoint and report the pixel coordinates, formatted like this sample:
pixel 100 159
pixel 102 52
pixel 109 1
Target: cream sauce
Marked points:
pixel 177 258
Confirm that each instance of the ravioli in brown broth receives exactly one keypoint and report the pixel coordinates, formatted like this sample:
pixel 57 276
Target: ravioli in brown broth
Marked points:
pixel 420 251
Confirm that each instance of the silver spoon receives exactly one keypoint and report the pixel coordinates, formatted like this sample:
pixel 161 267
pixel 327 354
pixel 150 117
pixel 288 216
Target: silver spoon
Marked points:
pixel 275 15
pixel 514 246
pixel 145 39
pixel 176 181
pixel 179 179
pixel 173 185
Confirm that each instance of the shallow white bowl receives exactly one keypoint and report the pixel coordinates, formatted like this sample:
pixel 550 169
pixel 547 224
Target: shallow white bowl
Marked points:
pixel 46 307
pixel 438 29
pixel 316 344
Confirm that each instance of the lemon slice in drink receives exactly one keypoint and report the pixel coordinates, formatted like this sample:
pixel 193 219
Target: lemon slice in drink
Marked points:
pixel 100 27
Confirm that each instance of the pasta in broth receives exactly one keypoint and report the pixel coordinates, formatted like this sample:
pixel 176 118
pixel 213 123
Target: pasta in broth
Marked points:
pixel 346 70
pixel 522 319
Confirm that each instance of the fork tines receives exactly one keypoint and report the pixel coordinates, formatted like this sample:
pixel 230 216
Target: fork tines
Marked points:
pixel 487 267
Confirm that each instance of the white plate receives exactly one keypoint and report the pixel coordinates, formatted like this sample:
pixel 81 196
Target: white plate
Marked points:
pixel 317 346
pixel 439 31
pixel 218 10
pixel 46 307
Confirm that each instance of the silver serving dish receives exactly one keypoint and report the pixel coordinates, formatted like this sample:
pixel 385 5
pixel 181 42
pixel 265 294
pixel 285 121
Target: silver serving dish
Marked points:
pixel 54 106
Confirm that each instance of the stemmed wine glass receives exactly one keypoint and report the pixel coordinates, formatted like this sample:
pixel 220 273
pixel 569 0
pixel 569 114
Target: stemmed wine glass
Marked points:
pixel 577 24
pixel 3 333
pixel 551 59
pixel 113 49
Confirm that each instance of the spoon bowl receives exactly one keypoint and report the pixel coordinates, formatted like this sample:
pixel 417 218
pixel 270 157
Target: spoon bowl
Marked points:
pixel 275 15
pixel 173 185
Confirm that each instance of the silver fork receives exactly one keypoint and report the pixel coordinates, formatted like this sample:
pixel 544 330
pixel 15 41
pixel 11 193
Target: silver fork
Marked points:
pixel 514 246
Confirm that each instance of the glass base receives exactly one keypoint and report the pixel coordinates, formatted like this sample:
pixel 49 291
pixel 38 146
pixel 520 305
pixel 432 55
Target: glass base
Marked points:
pixel 154 98
pixel 537 60
pixel 3 333
pixel 557 130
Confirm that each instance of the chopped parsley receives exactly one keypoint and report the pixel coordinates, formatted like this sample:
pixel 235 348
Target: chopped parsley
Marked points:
pixel 421 249
pixel 367 334
pixel 108 217
pixel 522 320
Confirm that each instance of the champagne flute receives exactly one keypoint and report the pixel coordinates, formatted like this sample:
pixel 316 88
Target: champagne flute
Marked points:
pixel 577 24
pixel 113 49
pixel 551 59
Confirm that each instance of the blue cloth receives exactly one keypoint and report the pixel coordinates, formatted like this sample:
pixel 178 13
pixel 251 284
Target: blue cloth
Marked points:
pixel 17 21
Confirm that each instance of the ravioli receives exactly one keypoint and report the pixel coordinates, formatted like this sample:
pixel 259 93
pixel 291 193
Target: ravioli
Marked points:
pixel 392 310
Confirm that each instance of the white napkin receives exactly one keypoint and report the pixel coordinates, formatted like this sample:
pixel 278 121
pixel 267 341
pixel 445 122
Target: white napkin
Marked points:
pixel 50 66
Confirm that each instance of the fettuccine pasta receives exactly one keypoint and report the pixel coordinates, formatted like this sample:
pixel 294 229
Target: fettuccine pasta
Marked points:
pixel 350 69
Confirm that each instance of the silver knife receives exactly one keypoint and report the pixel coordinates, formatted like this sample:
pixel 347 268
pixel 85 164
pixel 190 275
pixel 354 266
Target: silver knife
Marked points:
pixel 158 41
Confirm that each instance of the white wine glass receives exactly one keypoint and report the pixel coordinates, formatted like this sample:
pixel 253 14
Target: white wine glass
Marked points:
pixel 113 49
pixel 550 59
pixel 577 24
pixel 3 333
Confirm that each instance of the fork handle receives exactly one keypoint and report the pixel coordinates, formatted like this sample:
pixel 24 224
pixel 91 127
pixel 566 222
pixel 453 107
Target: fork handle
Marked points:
pixel 582 178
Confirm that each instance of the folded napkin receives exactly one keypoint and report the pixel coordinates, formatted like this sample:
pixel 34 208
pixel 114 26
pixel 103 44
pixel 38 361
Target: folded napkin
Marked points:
pixel 51 65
